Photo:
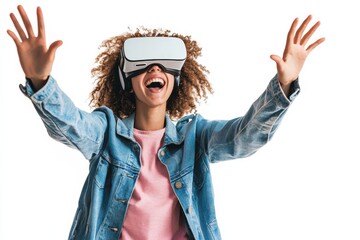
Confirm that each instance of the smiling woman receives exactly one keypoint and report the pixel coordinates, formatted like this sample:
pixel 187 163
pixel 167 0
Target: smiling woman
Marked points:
pixel 149 176
pixel 192 87
pixel 150 99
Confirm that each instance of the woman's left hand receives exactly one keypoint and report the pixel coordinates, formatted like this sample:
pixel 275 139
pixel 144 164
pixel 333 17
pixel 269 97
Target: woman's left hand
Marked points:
pixel 295 53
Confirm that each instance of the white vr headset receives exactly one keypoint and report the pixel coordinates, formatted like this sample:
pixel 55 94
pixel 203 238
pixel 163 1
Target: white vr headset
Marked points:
pixel 141 53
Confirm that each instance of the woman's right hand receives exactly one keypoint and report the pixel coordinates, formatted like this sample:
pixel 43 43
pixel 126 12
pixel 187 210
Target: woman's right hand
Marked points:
pixel 35 58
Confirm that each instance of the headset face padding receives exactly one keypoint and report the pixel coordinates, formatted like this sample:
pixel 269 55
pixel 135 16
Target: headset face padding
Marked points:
pixel 126 81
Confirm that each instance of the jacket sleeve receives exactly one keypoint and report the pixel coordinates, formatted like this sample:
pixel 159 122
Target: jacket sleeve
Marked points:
pixel 243 136
pixel 64 121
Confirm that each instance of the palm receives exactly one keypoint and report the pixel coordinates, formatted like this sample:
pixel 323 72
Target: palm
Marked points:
pixel 34 51
pixel 293 61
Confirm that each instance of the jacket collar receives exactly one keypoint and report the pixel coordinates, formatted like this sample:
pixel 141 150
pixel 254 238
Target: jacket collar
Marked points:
pixel 125 128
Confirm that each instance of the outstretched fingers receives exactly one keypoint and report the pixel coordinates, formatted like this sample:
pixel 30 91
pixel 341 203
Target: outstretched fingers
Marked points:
pixel 299 33
pixel 291 33
pixel 41 25
pixel 26 21
pixel 23 36
pixel 290 36
pixel 18 28
pixel 308 35
pixel 315 44
pixel 302 39
pixel 298 36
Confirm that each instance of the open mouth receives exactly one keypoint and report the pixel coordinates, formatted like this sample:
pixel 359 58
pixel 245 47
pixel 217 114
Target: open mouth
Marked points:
pixel 155 83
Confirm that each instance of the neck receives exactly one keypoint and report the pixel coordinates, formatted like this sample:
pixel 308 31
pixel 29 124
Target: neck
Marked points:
pixel 149 119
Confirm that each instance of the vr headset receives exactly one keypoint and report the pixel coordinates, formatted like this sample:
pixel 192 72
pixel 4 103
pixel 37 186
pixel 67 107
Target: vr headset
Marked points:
pixel 139 54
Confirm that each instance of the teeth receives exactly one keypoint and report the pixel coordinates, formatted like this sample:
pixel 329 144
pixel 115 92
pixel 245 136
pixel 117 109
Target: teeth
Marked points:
pixel 150 81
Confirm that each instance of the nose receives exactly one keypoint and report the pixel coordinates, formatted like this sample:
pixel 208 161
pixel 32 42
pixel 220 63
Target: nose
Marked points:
pixel 155 68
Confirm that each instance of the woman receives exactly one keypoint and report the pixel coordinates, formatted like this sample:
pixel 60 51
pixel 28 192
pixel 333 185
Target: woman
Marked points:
pixel 149 178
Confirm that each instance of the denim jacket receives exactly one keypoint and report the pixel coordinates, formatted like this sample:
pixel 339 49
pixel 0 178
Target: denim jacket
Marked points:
pixel 189 146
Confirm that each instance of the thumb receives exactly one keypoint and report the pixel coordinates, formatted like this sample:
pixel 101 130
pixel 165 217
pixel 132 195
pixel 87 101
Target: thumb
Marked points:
pixel 279 62
pixel 276 59
pixel 54 46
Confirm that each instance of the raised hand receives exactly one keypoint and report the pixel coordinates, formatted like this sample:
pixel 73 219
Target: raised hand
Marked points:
pixel 295 53
pixel 35 58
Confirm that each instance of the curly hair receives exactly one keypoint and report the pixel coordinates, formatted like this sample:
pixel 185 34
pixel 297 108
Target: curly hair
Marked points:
pixel 194 84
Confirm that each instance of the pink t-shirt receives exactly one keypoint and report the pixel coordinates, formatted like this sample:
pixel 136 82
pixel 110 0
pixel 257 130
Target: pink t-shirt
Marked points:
pixel 154 210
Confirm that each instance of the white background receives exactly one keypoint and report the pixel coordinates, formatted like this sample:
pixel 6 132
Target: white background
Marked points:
pixel 303 185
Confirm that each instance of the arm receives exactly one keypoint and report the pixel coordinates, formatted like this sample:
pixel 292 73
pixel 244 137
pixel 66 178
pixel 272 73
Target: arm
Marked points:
pixel 295 53
pixel 243 136
pixel 62 119
pixel 65 122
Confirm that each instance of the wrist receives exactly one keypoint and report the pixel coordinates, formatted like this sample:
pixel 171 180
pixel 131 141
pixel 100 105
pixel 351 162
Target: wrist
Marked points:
pixel 37 82
pixel 285 88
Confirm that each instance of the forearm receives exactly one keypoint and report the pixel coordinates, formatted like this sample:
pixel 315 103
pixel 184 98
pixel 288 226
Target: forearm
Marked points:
pixel 243 136
pixel 63 120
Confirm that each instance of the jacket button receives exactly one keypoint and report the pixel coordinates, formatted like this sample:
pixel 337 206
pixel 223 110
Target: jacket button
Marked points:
pixel 178 185
pixel 114 229
pixel 120 200
pixel 162 153
pixel 189 210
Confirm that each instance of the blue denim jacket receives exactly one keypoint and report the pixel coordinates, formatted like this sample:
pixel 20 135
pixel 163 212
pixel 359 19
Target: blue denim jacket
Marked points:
pixel 189 146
